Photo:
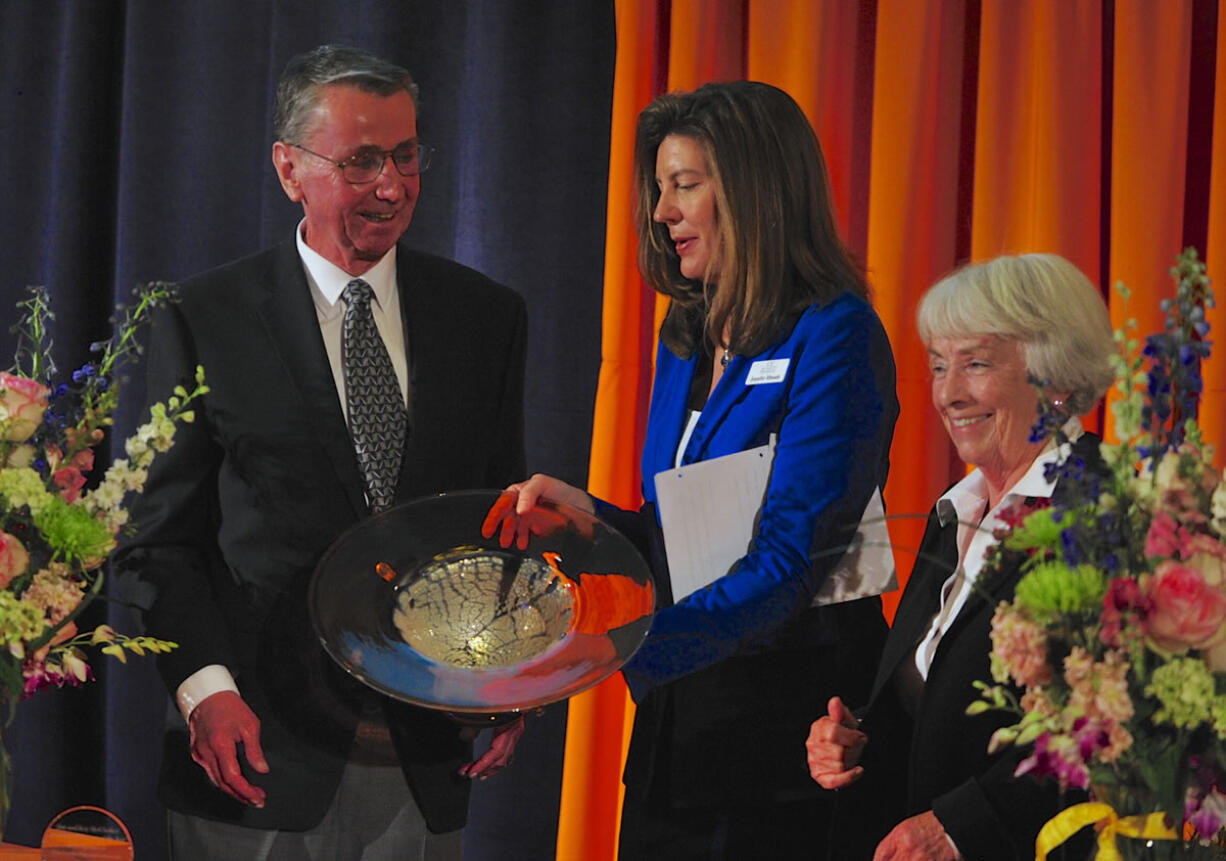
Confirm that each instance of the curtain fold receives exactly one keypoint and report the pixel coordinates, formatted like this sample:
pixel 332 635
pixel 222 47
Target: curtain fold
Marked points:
pixel 821 52
pixel 1037 147
pixel 706 42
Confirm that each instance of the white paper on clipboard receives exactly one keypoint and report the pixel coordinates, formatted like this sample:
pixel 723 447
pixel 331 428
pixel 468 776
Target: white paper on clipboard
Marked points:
pixel 709 511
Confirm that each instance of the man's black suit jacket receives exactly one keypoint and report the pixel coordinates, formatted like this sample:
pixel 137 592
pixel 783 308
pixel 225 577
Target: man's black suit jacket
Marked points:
pixel 236 514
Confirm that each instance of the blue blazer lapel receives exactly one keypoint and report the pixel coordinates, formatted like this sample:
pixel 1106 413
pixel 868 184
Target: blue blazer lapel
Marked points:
pixel 669 411
pixel 288 314
pixel 729 391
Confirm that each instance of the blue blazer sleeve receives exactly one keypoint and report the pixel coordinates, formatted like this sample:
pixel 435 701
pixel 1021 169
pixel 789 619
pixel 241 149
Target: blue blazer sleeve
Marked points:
pixel 833 410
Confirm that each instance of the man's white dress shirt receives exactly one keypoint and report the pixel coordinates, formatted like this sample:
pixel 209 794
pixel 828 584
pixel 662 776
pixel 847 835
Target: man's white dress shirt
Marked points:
pixel 327 281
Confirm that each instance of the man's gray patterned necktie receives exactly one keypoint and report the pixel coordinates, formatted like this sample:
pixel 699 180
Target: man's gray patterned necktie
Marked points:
pixel 372 398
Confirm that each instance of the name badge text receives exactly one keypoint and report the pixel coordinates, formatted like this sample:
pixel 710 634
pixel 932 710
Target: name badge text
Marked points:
pixel 767 371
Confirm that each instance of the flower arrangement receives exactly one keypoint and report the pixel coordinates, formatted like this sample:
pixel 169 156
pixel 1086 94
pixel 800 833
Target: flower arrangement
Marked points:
pixel 1112 652
pixel 56 534
pixel 55 530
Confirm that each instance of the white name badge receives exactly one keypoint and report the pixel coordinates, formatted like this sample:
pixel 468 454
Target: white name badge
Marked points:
pixel 767 371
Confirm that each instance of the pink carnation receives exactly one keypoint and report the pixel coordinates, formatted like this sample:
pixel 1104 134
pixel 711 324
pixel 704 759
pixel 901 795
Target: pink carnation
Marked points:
pixel 1099 689
pixel 1112 696
pixel 1188 613
pixel 1014 514
pixel 1123 605
pixel 1165 536
pixel 56 593
pixel 83 459
pixel 70 481
pixel 1021 646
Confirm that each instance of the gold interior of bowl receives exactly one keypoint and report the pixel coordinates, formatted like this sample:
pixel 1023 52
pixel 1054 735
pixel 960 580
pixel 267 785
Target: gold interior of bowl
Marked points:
pixel 481 609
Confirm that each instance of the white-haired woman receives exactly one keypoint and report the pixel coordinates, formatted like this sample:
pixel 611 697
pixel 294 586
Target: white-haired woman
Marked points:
pixel 996 334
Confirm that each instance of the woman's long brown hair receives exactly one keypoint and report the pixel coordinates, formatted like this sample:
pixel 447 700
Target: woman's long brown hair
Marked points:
pixel 779 249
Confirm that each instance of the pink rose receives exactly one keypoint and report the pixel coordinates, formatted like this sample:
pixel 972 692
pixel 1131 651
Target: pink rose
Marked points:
pixel 1187 612
pixel 13 559
pixel 22 404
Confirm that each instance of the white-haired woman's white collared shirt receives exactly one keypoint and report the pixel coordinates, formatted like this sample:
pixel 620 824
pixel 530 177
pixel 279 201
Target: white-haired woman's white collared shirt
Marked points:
pixel 966 503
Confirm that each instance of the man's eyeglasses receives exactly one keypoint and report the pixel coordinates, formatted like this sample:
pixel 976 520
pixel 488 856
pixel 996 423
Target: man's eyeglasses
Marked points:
pixel 366 164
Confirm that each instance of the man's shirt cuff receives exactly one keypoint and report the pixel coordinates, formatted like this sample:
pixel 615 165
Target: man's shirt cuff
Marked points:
pixel 202 684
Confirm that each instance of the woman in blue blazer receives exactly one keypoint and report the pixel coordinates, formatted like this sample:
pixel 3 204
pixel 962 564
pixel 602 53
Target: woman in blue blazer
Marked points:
pixel 770 334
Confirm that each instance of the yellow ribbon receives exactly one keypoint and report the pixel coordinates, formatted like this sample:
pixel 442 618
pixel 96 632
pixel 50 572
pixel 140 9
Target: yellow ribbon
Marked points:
pixel 1068 822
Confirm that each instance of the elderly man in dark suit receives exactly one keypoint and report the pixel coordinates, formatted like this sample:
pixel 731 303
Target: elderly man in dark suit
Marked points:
pixel 346 374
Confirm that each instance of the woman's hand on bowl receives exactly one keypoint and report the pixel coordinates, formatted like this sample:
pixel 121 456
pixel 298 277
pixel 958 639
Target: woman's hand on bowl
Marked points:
pixel 517 517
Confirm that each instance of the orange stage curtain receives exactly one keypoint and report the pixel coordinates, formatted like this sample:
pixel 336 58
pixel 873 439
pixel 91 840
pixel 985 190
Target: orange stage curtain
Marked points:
pixel 1038 150
pixel 1213 403
pixel 821 53
pixel 706 42
pixel 598 725
pixel 954 130
pixel 1148 144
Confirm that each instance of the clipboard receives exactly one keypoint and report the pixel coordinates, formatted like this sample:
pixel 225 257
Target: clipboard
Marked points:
pixel 709 513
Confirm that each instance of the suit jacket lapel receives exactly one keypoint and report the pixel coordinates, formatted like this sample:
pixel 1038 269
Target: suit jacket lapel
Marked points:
pixel 288 313
pixel 421 350
pixel 983 593
pixel 922 597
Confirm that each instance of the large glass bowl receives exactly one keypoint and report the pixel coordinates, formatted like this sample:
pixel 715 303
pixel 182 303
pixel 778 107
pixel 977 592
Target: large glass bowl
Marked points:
pixel 417 604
